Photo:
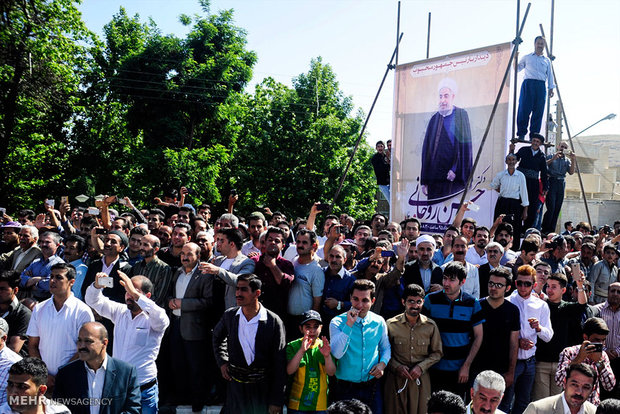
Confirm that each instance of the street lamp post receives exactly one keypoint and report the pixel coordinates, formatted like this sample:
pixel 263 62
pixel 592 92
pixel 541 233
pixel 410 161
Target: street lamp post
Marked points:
pixel 610 116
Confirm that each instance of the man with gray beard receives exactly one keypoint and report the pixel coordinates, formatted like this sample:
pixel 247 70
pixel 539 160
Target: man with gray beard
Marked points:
pixel 158 272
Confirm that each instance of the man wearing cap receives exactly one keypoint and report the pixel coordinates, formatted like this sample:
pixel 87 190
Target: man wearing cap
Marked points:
pixel 310 364
pixel 446 152
pixel 7 358
pixel 10 237
pixel 423 271
pixel 555 258
pixel 533 165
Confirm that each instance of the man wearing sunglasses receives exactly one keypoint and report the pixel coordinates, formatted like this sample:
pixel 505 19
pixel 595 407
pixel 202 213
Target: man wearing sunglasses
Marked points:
pixel 501 325
pixel 535 323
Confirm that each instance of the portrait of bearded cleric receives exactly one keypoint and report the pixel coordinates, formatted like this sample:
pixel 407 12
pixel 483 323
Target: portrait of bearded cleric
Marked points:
pixel 447 147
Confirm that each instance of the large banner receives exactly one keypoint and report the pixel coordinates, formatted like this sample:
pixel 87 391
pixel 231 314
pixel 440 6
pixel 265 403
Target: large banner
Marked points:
pixel 442 107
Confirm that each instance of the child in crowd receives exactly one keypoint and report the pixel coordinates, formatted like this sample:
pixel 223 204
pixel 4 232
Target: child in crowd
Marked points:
pixel 309 364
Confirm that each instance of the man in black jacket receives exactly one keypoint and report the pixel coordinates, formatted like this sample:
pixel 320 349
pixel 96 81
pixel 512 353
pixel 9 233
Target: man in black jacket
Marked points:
pixel 533 164
pixel 381 164
pixel 423 271
pixel 256 376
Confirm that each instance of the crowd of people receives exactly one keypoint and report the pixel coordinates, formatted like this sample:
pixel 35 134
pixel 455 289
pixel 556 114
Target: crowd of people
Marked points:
pixel 138 310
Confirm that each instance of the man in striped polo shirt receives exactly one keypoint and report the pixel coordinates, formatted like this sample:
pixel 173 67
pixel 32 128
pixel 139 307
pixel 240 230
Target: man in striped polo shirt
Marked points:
pixel 457 315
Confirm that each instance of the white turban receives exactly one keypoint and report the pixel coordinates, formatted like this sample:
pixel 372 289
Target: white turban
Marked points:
pixel 448 83
pixel 425 238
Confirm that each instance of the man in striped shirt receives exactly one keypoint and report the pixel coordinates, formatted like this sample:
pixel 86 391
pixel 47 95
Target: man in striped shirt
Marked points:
pixel 457 314
pixel 7 359
pixel 610 313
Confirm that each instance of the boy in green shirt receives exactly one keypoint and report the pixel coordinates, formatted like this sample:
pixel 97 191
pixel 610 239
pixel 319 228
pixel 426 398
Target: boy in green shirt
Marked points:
pixel 309 364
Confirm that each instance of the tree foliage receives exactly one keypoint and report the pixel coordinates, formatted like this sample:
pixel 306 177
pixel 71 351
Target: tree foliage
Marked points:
pixel 296 142
pixel 139 111
pixel 44 48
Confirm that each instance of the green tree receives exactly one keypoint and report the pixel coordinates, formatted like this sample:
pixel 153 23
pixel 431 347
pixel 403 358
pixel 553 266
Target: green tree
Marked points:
pixel 153 106
pixel 295 143
pixel 44 47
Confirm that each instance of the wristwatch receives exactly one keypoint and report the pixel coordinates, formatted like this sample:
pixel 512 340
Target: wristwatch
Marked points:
pixel 339 306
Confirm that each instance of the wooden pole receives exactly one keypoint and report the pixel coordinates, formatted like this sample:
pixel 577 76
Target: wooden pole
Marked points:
pixel 551 57
pixel 570 138
pixel 361 135
pixel 516 62
pixel 397 32
pixel 495 105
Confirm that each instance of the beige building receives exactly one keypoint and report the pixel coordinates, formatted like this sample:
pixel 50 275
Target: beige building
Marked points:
pixel 598 157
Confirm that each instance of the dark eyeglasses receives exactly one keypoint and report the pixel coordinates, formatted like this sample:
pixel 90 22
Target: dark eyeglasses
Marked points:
pixel 521 283
pixel 496 285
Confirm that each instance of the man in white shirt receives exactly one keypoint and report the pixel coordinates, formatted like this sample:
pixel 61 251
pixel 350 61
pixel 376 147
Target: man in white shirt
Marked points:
pixel 256 225
pixel 97 383
pixel 472 281
pixel 513 200
pixel 249 346
pixel 535 323
pixel 7 359
pixel 139 328
pixel 476 254
pixel 55 323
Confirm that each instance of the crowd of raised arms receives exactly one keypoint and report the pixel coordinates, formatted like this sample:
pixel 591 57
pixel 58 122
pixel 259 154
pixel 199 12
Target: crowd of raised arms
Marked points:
pixel 111 309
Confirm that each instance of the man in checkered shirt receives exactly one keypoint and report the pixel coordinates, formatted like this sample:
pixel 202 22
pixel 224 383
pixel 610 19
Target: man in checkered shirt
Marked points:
pixel 7 359
pixel 590 352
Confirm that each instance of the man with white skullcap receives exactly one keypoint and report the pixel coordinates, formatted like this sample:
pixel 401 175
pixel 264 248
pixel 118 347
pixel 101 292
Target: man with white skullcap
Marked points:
pixel 423 271
pixel 446 152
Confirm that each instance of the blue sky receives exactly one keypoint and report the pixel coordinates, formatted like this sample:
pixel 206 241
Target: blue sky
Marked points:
pixel 357 37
